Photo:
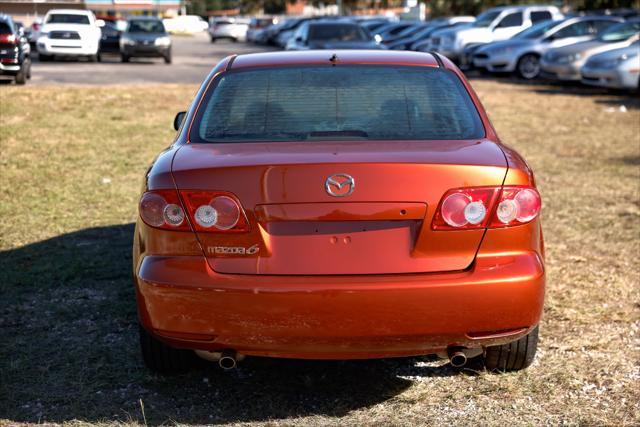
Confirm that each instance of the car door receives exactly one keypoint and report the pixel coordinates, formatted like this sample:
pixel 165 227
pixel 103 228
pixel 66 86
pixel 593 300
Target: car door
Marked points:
pixel 508 25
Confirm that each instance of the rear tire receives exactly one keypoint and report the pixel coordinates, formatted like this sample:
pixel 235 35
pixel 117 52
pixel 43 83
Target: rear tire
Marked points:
pixel 167 59
pixel 512 356
pixel 124 58
pixel 528 66
pixel 161 358
pixel 21 77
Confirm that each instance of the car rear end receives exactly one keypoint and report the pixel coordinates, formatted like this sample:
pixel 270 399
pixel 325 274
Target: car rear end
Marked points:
pixel 383 218
pixel 10 55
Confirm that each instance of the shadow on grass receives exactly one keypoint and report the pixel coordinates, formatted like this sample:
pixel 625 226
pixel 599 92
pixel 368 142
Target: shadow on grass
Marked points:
pixel 69 351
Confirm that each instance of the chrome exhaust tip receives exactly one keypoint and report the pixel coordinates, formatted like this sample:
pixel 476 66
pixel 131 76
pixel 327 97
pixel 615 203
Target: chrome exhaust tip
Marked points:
pixel 457 358
pixel 227 360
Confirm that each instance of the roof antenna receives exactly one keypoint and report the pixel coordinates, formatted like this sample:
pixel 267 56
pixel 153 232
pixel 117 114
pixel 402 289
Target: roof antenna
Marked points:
pixel 333 59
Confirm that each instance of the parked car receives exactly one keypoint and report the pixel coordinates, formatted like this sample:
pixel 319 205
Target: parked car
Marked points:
pixel 389 31
pixel 418 39
pixel 69 32
pixel 288 30
pixel 522 52
pixel 407 32
pixel 495 24
pixel 372 25
pixel 331 35
pixel 234 29
pixel 15 52
pixel 617 68
pixel 564 63
pixel 290 218
pixel 257 25
pixel 110 37
pixel 145 37
pixel 188 24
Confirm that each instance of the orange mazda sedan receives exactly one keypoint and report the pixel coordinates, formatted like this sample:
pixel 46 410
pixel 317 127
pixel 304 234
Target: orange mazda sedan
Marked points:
pixel 338 205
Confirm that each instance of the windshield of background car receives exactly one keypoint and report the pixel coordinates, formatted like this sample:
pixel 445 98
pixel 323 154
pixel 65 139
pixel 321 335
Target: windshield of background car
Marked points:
pixel 536 31
pixel 63 18
pixel 145 26
pixel 337 33
pixel 333 103
pixel 485 19
pixel 620 32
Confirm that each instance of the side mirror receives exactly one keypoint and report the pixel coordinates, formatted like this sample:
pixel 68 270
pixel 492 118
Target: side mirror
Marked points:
pixel 300 40
pixel 177 121
pixel 100 22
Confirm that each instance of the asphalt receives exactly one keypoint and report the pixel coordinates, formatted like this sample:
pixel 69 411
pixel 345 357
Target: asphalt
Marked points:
pixel 193 59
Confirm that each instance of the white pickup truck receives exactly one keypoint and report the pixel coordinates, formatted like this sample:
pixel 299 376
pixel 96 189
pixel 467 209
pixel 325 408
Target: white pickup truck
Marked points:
pixel 69 32
pixel 498 23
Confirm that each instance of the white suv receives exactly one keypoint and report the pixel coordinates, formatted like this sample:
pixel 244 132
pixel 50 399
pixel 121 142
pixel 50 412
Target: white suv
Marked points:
pixel 499 23
pixel 69 33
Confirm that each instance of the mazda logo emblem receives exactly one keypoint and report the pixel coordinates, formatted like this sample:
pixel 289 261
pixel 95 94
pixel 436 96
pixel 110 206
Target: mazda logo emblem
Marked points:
pixel 340 185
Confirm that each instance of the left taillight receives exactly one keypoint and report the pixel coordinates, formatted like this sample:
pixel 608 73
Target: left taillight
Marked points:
pixel 163 209
pixel 8 38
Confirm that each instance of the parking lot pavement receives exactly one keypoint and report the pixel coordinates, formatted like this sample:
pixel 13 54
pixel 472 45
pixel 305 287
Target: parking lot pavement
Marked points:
pixel 193 58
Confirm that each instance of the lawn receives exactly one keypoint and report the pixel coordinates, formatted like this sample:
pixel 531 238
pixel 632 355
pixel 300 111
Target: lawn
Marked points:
pixel 72 161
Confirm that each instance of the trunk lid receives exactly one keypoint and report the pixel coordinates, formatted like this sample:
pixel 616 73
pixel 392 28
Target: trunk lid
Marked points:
pixel 382 227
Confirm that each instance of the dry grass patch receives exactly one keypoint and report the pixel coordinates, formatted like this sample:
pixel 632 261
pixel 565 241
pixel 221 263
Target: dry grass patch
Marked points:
pixel 71 165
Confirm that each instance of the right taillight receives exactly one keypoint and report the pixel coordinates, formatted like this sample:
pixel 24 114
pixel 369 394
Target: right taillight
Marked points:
pixel 480 207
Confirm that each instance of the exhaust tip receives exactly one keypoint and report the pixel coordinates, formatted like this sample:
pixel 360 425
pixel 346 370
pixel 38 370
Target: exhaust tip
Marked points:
pixel 457 357
pixel 227 360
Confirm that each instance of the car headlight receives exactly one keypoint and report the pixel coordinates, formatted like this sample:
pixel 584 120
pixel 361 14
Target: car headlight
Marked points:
pixel 163 41
pixel 126 41
pixel 565 59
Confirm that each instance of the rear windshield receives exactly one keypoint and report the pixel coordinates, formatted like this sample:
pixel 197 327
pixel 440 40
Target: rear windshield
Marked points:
pixel 332 103
pixel 60 18
pixel 5 28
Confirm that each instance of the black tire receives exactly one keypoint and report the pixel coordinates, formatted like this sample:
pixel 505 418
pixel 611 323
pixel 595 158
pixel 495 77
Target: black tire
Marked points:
pixel 28 70
pixel 528 66
pixel 93 58
pixel 161 358
pixel 513 356
pixel 21 77
pixel 167 59
pixel 213 40
pixel 124 58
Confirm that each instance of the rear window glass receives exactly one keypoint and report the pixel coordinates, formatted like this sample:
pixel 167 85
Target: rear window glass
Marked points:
pixel 343 102
pixel 59 18
pixel 5 28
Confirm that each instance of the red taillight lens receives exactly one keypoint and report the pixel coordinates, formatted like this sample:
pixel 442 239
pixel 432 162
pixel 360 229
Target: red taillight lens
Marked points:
pixel 162 209
pixel 517 205
pixel 8 38
pixel 215 211
pixel 465 208
pixel 479 207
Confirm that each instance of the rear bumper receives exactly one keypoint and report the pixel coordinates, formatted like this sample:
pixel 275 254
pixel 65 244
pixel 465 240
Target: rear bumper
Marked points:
pixel 9 69
pixel 186 304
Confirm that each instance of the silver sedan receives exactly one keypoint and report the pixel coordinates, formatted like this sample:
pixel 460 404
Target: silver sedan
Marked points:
pixel 618 68
pixel 564 63
pixel 521 53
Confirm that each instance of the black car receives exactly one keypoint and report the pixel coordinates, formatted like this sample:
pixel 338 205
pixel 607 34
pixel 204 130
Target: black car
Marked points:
pixel 145 37
pixel 15 52
pixel 331 35
pixel 110 38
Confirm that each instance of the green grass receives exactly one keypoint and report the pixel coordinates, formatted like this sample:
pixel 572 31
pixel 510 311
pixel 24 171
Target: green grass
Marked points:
pixel 71 165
